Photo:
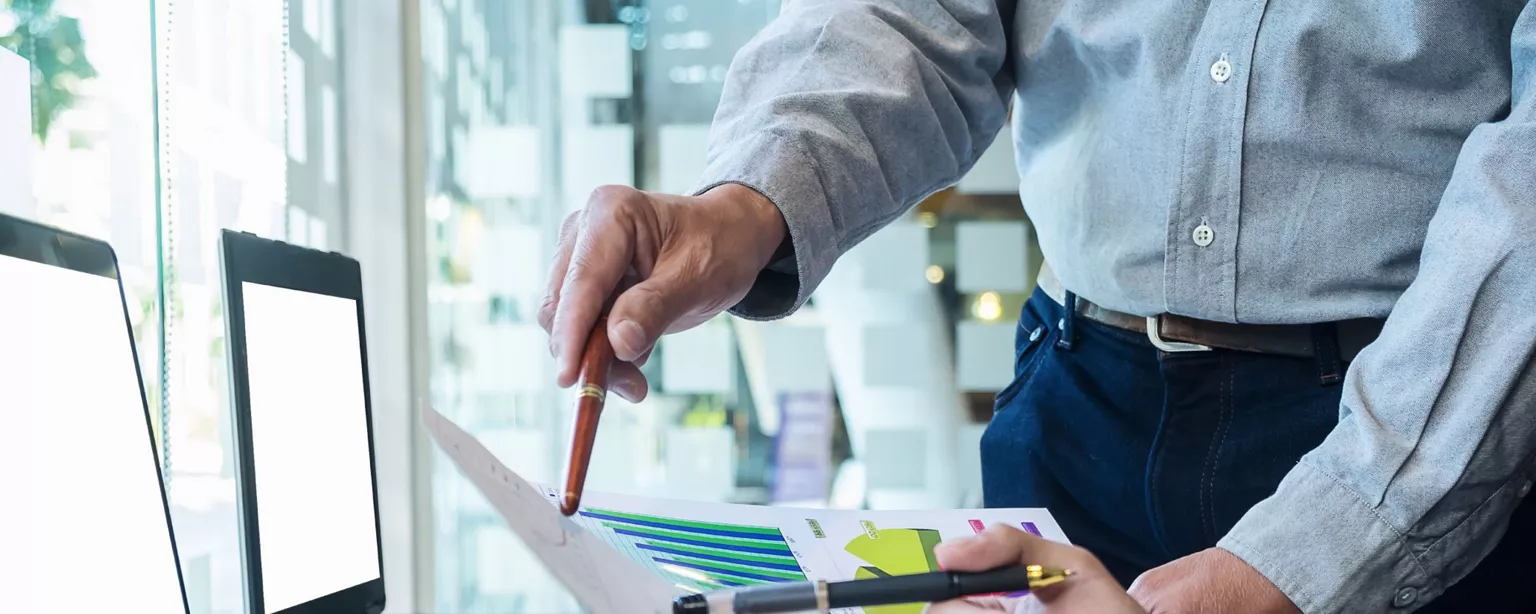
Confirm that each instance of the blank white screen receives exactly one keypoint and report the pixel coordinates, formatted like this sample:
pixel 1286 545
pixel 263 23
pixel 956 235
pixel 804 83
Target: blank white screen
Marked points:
pixel 309 439
pixel 81 514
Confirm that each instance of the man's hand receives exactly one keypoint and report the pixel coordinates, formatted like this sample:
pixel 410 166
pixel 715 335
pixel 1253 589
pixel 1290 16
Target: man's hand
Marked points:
pixel 1212 581
pixel 1089 589
pixel 668 263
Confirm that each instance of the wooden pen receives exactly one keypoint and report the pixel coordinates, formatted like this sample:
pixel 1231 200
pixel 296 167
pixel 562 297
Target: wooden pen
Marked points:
pixel 591 391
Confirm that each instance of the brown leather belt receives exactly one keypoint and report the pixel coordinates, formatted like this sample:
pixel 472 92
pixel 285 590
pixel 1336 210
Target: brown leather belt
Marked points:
pixel 1173 333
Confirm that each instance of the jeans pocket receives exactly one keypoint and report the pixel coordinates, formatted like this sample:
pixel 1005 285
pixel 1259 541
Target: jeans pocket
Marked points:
pixel 1032 336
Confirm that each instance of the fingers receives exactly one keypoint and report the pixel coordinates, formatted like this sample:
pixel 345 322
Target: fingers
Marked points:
pixel 1002 545
pixel 966 606
pixel 626 380
pixel 557 270
pixel 601 254
pixel 644 312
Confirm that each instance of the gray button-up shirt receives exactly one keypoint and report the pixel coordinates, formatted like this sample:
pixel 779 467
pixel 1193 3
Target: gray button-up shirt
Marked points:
pixel 1282 162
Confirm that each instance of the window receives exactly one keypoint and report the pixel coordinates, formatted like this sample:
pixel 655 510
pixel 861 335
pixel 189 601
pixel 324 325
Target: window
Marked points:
pixel 154 125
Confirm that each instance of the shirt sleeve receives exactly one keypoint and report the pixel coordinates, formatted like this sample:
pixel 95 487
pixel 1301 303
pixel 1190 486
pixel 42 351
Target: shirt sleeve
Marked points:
pixel 845 113
pixel 1434 448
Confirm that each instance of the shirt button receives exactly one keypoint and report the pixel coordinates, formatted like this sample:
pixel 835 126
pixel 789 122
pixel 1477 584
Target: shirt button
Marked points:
pixel 1221 71
pixel 1035 336
pixel 1525 488
pixel 1203 235
pixel 1405 597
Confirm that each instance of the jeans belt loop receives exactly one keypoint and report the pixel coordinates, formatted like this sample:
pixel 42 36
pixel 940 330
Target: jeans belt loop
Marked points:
pixel 1154 325
pixel 1066 326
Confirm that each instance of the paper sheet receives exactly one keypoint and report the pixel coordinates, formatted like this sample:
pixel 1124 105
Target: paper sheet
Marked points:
pixel 597 576
pixel 640 553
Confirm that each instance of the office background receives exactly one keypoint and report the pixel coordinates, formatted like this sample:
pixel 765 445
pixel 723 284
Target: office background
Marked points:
pixel 441 142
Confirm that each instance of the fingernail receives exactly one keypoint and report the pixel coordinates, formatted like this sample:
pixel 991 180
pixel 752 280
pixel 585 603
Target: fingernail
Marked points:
pixel 629 332
pixel 625 390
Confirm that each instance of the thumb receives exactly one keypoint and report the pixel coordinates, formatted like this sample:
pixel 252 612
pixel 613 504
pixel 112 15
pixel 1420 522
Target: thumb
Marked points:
pixel 643 312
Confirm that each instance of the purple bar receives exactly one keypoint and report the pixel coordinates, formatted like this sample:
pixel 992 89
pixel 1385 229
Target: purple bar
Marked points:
pixel 1029 527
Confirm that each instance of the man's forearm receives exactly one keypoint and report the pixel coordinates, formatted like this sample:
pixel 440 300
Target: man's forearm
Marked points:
pixel 844 114
pixel 1438 430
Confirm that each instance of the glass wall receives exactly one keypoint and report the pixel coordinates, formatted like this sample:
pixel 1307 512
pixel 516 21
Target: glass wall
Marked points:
pixel 873 396
pixel 155 124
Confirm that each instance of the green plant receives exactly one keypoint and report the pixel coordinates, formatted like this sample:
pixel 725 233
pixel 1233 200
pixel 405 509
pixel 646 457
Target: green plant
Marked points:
pixel 52 43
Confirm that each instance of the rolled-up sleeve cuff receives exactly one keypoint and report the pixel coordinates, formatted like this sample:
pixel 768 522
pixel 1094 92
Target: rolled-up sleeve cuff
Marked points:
pixel 779 169
pixel 1325 547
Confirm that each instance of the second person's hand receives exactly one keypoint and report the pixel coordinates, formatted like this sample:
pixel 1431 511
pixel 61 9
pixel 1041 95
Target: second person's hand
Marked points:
pixel 1090 589
pixel 667 263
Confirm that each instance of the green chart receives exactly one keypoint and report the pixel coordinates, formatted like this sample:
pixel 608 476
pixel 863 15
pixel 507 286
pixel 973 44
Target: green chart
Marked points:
pixel 895 552
pixel 701 555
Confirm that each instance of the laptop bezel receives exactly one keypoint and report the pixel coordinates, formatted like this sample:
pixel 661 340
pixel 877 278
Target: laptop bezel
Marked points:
pixel 244 257
pixel 82 254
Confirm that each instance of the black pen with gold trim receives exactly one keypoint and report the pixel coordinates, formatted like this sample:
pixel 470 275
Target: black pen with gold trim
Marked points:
pixel 825 596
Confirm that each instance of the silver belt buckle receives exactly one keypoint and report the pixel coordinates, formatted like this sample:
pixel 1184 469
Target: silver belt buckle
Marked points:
pixel 1157 340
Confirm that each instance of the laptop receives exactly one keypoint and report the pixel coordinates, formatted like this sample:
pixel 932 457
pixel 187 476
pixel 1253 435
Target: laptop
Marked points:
pixel 84 523
pixel 305 480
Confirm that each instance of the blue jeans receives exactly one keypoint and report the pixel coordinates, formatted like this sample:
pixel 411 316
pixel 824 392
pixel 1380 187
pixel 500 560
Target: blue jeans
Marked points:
pixel 1144 457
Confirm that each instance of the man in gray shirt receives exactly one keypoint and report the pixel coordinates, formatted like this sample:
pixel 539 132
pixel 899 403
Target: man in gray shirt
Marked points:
pixel 1281 357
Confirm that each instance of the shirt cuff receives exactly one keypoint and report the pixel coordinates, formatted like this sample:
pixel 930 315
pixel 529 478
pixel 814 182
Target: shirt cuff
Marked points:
pixel 1325 547
pixel 779 169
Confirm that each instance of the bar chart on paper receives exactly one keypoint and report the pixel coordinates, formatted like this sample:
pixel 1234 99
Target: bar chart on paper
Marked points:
pixel 700 556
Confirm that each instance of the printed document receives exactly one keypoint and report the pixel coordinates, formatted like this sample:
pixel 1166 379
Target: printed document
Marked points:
pixel 623 554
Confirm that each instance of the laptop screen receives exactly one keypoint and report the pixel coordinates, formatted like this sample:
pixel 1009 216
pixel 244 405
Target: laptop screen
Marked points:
pixel 309 444
pixel 83 516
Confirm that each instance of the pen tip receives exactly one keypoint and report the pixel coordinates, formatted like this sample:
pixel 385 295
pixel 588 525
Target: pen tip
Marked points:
pixel 570 503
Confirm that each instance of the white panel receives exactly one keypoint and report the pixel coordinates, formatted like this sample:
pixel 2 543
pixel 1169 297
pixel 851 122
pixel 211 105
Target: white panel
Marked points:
pixel 595 157
pixel 459 141
pixel 437 124
pixel 298 122
pixel 895 258
pixel 298 226
pixel 983 356
pixel 514 262
pixel 683 151
pixel 968 465
pixel 15 136
pixel 613 467
pixel 505 568
pixel 465 82
pixel 700 462
pixel 495 81
pixel 503 162
pixel 524 450
pixel 795 358
pixel 480 50
pixel 992 256
pixel 312 18
pixel 510 358
pixel 701 360
pixel 594 61
pixel 896 458
pixel 898 356
pixel 327 38
pixel 330 128
pixel 500 561
pixel 995 172
pixel 319 234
